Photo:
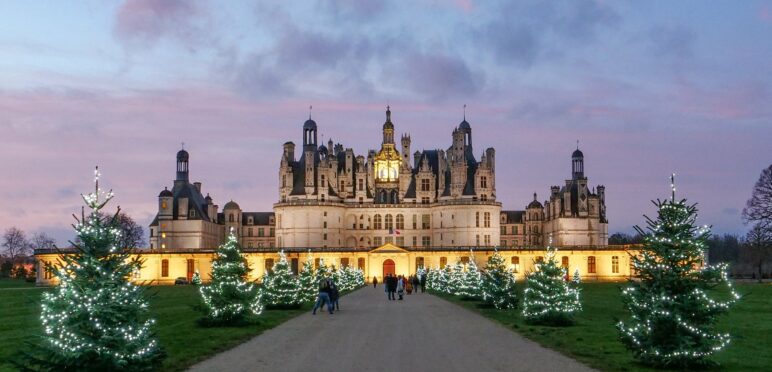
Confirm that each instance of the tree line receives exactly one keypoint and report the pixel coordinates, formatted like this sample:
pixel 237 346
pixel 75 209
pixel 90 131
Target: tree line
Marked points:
pixel 17 247
pixel 749 255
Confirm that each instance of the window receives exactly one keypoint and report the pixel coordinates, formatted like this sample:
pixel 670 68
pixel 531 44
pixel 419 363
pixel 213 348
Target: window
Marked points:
pixel 361 263
pixel 164 205
pixel 377 222
pixel 487 219
pixel 503 243
pixel 487 240
pixel 539 259
pixel 484 197
pixel 322 183
pixel 591 265
pixel 230 217
pixel 477 240
pixel 271 231
pixel 283 181
pixel 564 262
pixel 164 268
pixel 415 241
pixel 250 245
pixel 515 264
pixel 615 264
pixel 342 185
pixel 415 222
pixel 464 260
pixel 400 241
pixel 249 231
pixel 250 220
pixel 419 262
pixel 400 222
pixel 443 262
pixel 192 213
pixel 425 221
pixel 424 200
pixel 268 264
pixel 361 184
pixel 389 222
pixel 324 224
pixel 261 232
pixel 344 262
pixel 425 185
pixel 476 219
pixel 317 262
pixel 294 266
pixel 377 241
pixel 484 182
pixel 426 241
pixel 514 230
pixel 324 236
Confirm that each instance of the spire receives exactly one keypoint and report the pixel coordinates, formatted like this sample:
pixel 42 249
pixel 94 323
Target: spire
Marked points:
pixel 577 144
pixel 388 113
pixel 310 108
pixel 465 112
pixel 672 186
pixel 534 197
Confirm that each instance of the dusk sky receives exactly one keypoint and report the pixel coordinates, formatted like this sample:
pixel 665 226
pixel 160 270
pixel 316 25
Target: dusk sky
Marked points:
pixel 648 88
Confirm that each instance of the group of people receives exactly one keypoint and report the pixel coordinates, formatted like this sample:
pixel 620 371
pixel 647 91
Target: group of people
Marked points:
pixel 328 295
pixel 398 285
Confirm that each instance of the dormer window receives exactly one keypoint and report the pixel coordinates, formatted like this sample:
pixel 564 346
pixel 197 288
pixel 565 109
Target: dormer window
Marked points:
pixel 192 213
pixel 164 205
pixel 250 220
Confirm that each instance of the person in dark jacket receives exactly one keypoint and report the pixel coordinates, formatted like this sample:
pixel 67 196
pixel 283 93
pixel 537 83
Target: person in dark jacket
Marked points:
pixel 391 286
pixel 416 283
pixel 324 295
pixel 375 281
pixel 334 296
pixel 423 283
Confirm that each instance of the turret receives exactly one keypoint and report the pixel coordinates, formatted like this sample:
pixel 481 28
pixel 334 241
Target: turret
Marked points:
pixel 182 165
pixel 388 128
pixel 406 151
pixel 577 164
pixel 165 205
pixel 289 152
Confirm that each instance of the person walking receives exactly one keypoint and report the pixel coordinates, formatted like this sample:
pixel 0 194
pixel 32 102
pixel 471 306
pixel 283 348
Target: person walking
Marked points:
pixel 392 286
pixel 416 283
pixel 334 295
pixel 387 286
pixel 324 295
pixel 375 281
pixel 401 287
pixel 409 285
pixel 423 283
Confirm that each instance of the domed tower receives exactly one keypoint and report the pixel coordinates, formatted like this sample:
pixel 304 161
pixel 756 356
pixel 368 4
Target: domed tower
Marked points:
pixel 534 215
pixel 577 164
pixel 232 214
pixel 387 166
pixel 309 154
pixel 182 165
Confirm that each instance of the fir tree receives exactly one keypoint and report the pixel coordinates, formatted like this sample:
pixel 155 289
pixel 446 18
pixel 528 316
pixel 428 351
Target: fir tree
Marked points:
pixel 229 298
pixel 360 277
pixel 455 278
pixel 96 319
pixel 577 279
pixel 498 284
pixel 673 311
pixel 281 289
pixel 323 271
pixel 548 297
pixel 308 283
pixel 196 279
pixel 471 281
pixel 443 279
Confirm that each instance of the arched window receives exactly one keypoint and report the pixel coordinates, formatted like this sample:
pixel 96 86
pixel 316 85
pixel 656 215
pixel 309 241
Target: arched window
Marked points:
pixel 515 263
pixel 230 217
pixel 443 262
pixel 564 262
pixel 389 222
pixel 400 222
pixel 591 265
pixel 377 222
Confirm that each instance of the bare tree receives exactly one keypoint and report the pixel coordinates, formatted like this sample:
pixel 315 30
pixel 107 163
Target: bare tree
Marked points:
pixel 758 244
pixel 15 244
pixel 42 240
pixel 132 234
pixel 758 209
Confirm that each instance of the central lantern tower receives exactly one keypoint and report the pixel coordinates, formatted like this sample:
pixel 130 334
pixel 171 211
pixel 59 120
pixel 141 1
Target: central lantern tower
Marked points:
pixel 387 166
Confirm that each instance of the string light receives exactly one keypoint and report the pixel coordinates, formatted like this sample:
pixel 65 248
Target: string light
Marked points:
pixel 548 297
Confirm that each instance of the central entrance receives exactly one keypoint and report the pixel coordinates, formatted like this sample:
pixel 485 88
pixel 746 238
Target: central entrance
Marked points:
pixel 388 268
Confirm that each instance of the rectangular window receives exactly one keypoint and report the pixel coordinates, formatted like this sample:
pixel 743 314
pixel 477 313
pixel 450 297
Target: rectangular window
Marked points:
pixel 377 241
pixel 443 262
pixel 424 200
pixel 477 219
pixel 487 240
pixel 426 221
pixel 389 240
pixel 503 230
pixel 464 260
pixel 317 262
pixel 564 262
pixel 324 237
pixel 164 268
pixel 615 264
pixel 484 182
pixel 249 231
pixel 424 185
pixel 344 262
pixel 514 230
pixel 261 232
pixel 415 241
pixel 591 265
pixel 401 241
pixel 271 231
pixel 361 263
pixel 294 266
pixel 419 262
pixel 415 222
pixel 487 220
pixel 477 240
pixel 361 184
pixel 325 224
pixel 426 241
pixel 268 264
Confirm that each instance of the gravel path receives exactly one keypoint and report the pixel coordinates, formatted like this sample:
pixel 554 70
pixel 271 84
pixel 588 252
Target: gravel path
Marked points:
pixel 421 333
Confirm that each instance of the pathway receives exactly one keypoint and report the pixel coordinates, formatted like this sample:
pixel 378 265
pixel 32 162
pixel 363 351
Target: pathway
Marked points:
pixel 421 333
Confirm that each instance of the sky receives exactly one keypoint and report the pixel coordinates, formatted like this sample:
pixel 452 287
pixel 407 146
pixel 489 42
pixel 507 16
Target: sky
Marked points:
pixel 647 88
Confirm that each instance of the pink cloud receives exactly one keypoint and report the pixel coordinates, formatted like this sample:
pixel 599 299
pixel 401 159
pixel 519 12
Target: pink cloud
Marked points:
pixel 144 22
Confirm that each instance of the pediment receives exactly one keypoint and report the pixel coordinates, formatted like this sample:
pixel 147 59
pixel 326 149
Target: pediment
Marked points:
pixel 389 248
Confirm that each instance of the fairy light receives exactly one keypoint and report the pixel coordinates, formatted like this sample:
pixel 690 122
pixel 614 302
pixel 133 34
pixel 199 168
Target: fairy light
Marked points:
pixel 498 283
pixel 280 286
pixel 229 297
pixel 78 316
pixel 307 280
pixel 548 297
pixel 672 296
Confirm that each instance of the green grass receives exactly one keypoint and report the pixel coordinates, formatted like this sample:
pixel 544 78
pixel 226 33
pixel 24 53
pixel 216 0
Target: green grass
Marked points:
pixel 15 283
pixel 183 340
pixel 594 339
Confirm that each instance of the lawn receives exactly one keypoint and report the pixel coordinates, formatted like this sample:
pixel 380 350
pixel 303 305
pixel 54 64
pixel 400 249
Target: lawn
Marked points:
pixel 593 340
pixel 184 341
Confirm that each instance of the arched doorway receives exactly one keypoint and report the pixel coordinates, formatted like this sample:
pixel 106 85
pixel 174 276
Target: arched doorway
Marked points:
pixel 388 268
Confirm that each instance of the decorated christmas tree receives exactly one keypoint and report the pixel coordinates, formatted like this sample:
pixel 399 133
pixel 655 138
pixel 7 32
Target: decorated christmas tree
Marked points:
pixel 96 319
pixel 470 282
pixel 196 279
pixel 443 279
pixel 360 277
pixel 307 279
pixel 548 297
pixel 455 278
pixel 673 307
pixel 431 278
pixel 498 284
pixel 323 271
pixel 229 298
pixel 577 279
pixel 281 289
